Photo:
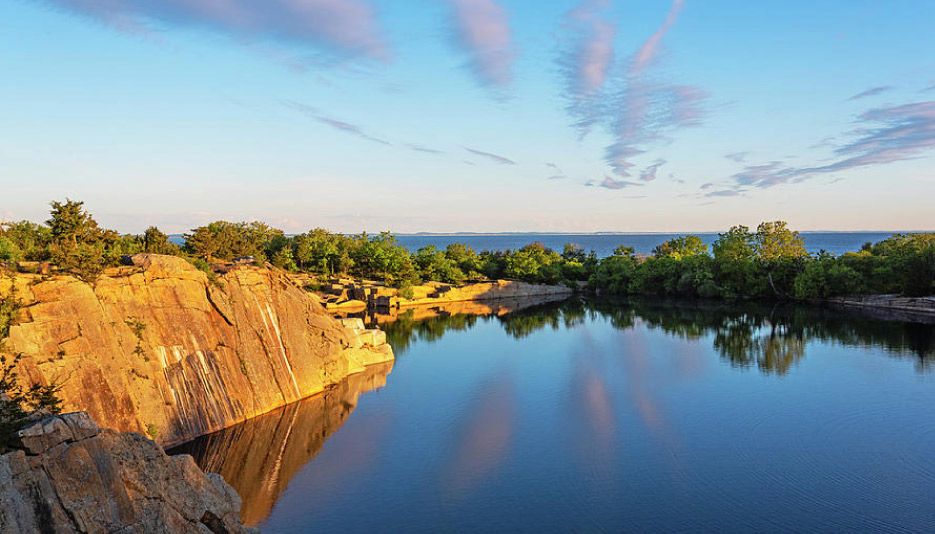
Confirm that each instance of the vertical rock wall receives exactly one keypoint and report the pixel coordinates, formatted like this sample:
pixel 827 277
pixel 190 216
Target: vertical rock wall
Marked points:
pixel 160 349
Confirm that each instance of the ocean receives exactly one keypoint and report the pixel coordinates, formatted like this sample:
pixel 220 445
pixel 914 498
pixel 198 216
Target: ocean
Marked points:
pixel 604 244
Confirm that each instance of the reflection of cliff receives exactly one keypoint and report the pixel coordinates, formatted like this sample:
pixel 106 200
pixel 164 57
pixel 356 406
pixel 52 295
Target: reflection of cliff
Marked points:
pixel 260 456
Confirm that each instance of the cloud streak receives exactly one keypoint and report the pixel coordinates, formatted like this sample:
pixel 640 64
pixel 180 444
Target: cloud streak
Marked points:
pixel 423 149
pixel 482 32
pixel 343 27
pixel 647 53
pixel 493 157
pixel 871 92
pixel 611 183
pixel 334 123
pixel 884 135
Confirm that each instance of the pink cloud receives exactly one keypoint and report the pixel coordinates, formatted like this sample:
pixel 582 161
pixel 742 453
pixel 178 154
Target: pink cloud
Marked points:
pixel 482 30
pixel 593 49
pixel 345 27
pixel 644 56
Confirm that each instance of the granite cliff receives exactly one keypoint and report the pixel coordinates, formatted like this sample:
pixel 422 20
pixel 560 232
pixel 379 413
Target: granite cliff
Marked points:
pixel 162 348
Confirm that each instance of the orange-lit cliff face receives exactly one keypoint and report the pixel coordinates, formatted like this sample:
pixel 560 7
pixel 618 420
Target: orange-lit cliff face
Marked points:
pixel 160 349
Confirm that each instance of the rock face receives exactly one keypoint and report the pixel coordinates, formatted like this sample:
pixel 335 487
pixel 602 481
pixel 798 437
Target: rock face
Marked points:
pixel 159 348
pixel 346 294
pixel 919 309
pixel 69 476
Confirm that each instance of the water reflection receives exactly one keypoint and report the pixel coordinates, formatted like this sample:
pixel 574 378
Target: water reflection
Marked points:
pixel 634 403
pixel 769 337
pixel 481 438
pixel 260 456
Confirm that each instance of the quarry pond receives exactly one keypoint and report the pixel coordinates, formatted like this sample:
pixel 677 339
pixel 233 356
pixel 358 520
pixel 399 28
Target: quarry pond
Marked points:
pixel 605 415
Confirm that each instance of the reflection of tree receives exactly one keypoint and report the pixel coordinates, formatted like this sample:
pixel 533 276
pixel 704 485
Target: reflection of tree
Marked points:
pixel 779 351
pixel 769 336
pixel 745 340
pixel 405 329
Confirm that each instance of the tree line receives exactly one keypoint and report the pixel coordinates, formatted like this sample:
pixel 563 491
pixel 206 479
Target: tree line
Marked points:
pixel 769 262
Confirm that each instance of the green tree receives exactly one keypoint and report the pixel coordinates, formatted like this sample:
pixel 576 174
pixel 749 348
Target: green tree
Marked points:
pixel 774 241
pixel 156 242
pixel 680 247
pixel 71 224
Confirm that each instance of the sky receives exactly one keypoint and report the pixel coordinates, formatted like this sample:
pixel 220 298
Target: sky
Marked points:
pixel 471 115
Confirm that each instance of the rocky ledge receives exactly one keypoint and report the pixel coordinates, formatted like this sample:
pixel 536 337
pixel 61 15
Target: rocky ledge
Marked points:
pixel 66 475
pixel 344 294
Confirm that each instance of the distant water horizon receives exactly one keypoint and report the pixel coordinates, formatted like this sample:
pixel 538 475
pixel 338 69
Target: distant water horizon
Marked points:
pixel 836 242
pixel 604 243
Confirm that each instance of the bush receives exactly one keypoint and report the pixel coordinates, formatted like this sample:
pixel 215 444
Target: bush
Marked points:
pixel 18 405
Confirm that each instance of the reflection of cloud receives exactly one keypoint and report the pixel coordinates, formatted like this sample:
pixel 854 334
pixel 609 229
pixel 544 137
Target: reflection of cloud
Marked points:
pixel 482 31
pixel 343 27
pixel 494 157
pixel 887 135
pixel 482 440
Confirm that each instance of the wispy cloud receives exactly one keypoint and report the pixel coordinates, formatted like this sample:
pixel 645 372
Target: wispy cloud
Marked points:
pixel 927 89
pixel 420 148
pixel 725 193
pixel 334 123
pixel 647 53
pixel 884 135
pixel 649 173
pixel 611 183
pixel 482 31
pixel 648 111
pixel 343 27
pixel 493 157
pixel 636 109
pixel 871 92
pixel 560 175
pixel 589 53
pixel 737 157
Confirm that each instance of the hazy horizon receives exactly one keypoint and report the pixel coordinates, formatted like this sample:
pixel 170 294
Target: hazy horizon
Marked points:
pixel 483 116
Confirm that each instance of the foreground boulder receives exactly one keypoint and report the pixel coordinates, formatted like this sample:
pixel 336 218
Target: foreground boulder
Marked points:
pixel 66 475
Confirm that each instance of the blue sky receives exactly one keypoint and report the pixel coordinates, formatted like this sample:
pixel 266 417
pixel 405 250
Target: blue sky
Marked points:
pixel 471 115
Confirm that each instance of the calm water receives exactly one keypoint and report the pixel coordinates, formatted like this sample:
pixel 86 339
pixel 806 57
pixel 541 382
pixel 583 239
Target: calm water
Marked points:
pixel 607 416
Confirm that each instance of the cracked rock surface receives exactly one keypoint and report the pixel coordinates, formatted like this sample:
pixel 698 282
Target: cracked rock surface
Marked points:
pixel 66 475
